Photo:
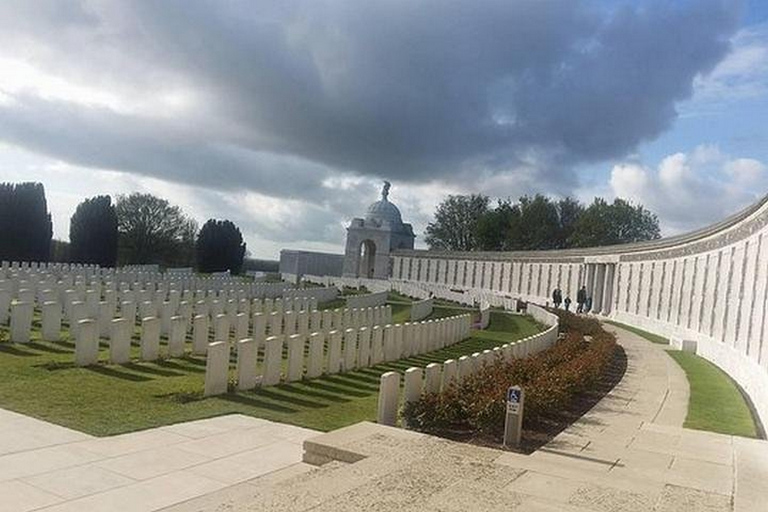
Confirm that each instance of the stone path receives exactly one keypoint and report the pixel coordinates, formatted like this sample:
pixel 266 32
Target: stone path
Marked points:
pixel 51 468
pixel 629 453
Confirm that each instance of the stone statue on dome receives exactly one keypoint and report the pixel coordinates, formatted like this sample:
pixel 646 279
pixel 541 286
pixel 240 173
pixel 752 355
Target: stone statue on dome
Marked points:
pixel 385 190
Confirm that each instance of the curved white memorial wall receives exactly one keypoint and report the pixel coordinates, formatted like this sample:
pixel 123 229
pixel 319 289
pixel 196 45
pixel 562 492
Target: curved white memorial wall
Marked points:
pixel 710 286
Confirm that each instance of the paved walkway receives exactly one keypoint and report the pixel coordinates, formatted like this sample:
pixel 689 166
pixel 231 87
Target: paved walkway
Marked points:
pixel 629 453
pixel 51 468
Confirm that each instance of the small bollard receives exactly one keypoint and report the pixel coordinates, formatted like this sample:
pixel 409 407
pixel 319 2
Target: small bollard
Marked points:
pixel 513 423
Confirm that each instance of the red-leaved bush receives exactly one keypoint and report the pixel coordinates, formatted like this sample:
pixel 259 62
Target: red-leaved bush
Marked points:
pixel 550 379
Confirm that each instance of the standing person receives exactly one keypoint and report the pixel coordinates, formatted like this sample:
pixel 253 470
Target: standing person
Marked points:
pixel 581 299
pixel 588 305
pixel 567 303
pixel 557 297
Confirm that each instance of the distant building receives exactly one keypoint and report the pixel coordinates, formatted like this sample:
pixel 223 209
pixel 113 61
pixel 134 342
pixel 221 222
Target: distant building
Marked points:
pixel 294 264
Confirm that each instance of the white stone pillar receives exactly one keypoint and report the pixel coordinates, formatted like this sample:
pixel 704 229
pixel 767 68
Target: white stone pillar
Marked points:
pixel 150 338
pixel 246 363
pixel 315 362
pixel 217 369
pixel 21 321
pixel 51 320
pixel 87 343
pixel 334 351
pixel 120 341
pixel 296 345
pixel 610 270
pixel 389 391
pixel 597 298
pixel 273 357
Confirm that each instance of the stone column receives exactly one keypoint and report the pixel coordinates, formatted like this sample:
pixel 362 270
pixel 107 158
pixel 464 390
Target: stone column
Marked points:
pixel 597 297
pixel 590 282
pixel 87 343
pixel 217 369
pixel 610 271
pixel 246 364
pixel 120 341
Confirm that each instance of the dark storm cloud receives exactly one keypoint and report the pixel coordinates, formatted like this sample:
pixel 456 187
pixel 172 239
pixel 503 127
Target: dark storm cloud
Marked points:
pixel 288 93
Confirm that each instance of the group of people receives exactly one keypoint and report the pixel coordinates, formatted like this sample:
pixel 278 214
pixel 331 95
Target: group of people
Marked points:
pixel 583 302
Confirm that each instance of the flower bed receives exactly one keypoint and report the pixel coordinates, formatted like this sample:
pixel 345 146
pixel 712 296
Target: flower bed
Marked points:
pixel 551 379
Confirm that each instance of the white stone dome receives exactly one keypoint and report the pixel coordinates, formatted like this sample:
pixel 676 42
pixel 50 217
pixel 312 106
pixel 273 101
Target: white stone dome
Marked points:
pixel 383 211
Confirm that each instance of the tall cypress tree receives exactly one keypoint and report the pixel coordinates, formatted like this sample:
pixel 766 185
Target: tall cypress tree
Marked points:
pixel 93 232
pixel 220 247
pixel 25 224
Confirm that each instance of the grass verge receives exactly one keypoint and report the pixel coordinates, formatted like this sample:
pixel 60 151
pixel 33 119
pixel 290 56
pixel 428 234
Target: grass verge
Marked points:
pixel 39 379
pixel 716 403
pixel 653 338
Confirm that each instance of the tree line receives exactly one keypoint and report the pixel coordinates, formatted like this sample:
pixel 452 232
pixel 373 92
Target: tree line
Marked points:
pixel 134 229
pixel 471 223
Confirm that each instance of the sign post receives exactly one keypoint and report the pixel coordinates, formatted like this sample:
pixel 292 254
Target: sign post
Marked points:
pixel 513 424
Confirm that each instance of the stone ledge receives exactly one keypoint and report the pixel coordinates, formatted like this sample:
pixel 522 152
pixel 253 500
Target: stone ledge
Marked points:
pixel 335 446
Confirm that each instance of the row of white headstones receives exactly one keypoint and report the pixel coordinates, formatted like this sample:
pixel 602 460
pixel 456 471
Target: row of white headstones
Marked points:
pixel 328 351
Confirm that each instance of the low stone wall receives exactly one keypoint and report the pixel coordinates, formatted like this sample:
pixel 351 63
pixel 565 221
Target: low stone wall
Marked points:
pixel 368 300
pixel 421 309
pixel 324 294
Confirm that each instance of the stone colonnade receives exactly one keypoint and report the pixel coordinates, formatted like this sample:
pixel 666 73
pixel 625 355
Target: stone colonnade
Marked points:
pixel 708 288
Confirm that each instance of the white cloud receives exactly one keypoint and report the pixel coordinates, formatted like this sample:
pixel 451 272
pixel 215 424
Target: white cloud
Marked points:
pixel 690 190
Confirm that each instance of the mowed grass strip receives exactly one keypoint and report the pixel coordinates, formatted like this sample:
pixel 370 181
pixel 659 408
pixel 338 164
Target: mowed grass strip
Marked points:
pixel 716 403
pixel 653 338
pixel 40 379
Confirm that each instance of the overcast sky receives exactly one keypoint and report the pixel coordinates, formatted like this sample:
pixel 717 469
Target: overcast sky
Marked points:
pixel 285 116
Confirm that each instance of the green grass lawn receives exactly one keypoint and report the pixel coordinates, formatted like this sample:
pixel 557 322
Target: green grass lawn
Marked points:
pixel 40 379
pixel 716 404
pixel 653 338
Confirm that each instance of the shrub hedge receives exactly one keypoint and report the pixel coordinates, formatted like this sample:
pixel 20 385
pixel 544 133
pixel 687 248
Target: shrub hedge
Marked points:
pixel 550 379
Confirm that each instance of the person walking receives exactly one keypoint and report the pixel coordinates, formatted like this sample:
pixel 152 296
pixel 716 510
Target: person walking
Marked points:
pixel 567 303
pixel 581 299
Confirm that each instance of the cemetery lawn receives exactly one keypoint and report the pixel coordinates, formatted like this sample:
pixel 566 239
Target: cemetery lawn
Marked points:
pixel 40 379
pixel 716 403
pixel 653 338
